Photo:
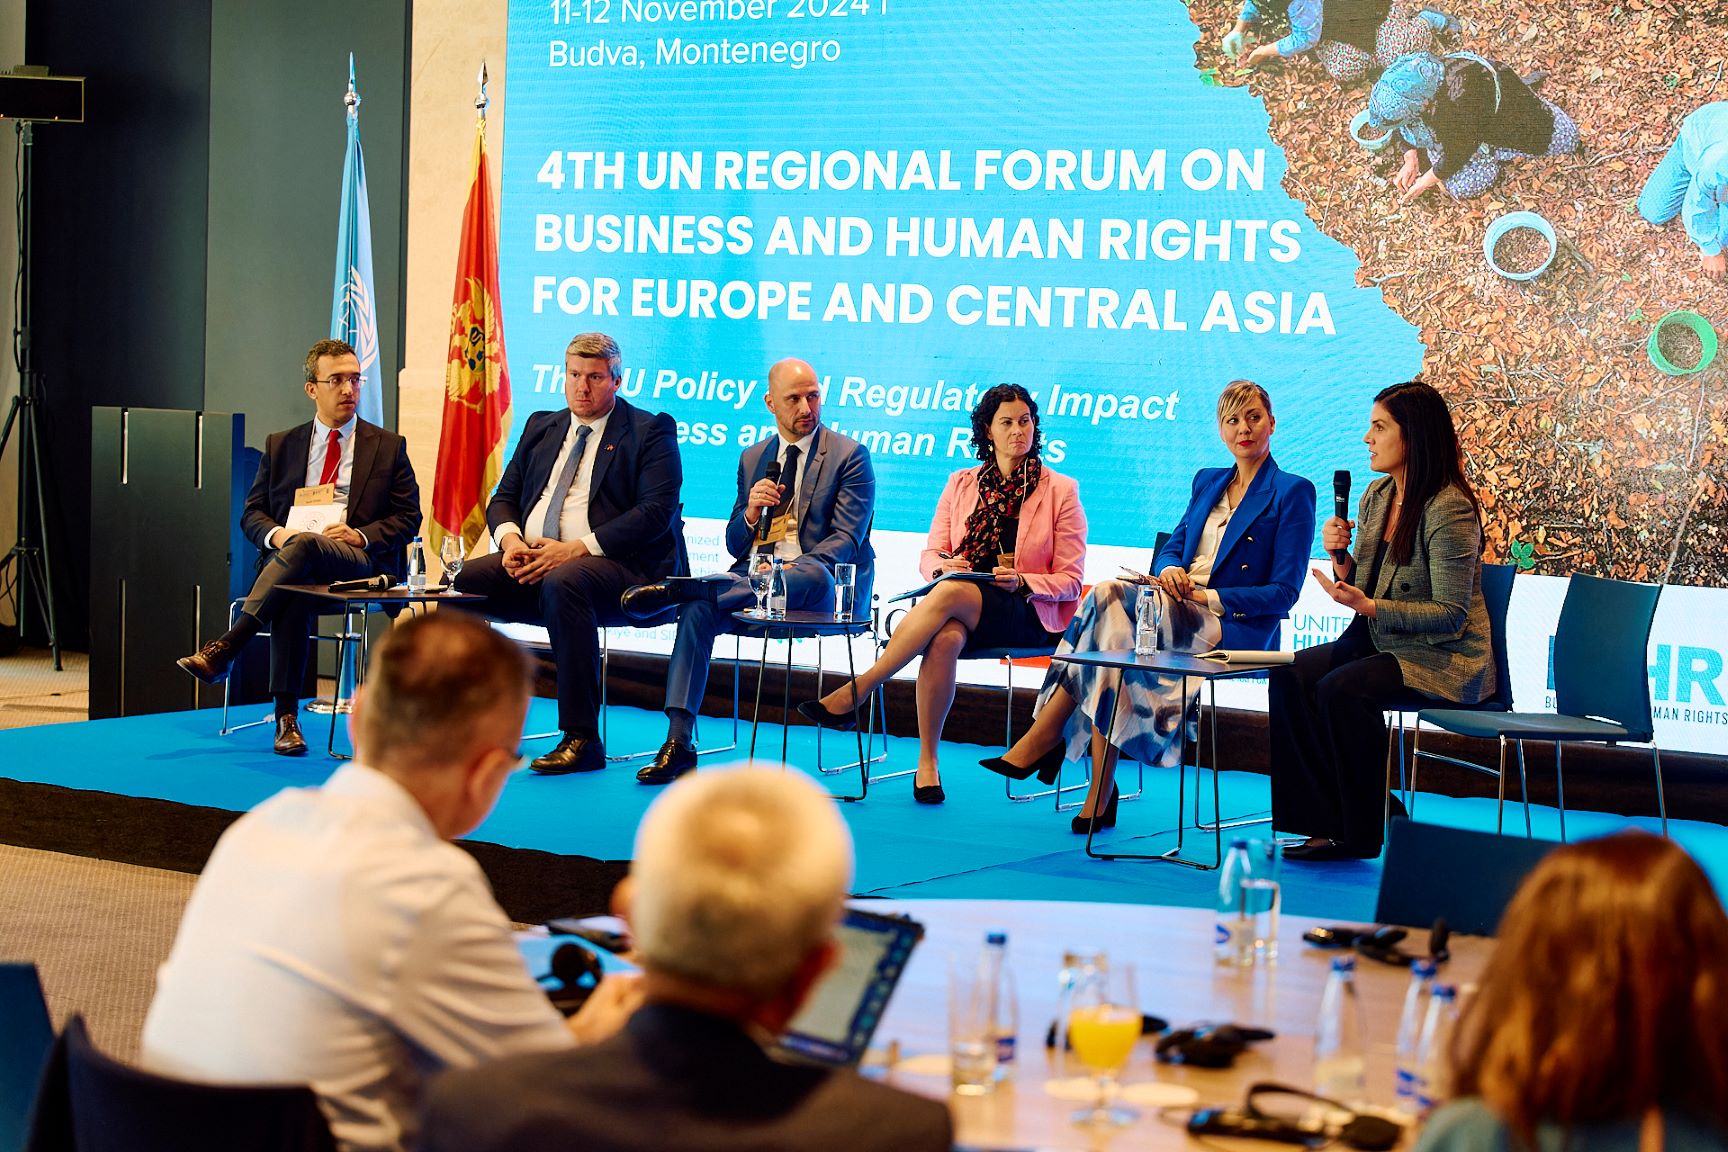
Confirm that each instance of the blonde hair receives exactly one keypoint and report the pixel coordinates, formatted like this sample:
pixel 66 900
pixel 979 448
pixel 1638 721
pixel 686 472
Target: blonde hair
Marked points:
pixel 1237 395
pixel 598 346
pixel 739 875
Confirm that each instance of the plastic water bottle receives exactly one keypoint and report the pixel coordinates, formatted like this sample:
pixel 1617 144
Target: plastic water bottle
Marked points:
pixel 1433 1079
pixel 1416 1000
pixel 1233 936
pixel 416 566
pixel 995 973
pixel 777 590
pixel 1146 623
pixel 1340 1052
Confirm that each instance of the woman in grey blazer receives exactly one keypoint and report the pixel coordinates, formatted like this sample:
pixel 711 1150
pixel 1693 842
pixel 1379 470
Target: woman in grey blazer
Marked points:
pixel 1420 636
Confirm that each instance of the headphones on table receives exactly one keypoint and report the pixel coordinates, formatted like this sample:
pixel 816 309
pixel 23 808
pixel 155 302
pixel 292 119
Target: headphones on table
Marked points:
pixel 577 972
pixel 1208 1045
pixel 1359 1131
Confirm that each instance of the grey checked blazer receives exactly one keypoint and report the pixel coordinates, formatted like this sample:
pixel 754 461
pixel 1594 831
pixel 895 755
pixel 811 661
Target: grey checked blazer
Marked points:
pixel 1429 611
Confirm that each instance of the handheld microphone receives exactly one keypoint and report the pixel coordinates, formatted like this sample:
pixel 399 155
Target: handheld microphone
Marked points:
pixel 370 584
pixel 1341 509
pixel 764 524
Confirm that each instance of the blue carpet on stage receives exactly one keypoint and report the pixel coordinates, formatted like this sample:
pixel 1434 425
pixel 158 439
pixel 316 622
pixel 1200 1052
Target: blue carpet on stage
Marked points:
pixel 977 845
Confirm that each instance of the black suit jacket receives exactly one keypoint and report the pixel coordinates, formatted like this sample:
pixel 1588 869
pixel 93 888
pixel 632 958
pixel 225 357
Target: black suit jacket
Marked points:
pixel 674 1079
pixel 383 497
pixel 633 507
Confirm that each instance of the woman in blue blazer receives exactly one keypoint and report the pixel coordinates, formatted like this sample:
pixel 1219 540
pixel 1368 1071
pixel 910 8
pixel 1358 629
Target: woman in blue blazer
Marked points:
pixel 1226 578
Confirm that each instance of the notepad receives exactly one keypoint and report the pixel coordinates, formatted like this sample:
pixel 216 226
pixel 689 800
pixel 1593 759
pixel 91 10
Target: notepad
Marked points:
pixel 1248 656
pixel 967 577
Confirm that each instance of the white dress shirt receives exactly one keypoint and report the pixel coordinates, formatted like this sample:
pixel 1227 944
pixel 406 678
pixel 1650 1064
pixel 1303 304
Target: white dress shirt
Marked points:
pixel 573 516
pixel 336 940
pixel 1206 552
pixel 789 548
pixel 315 455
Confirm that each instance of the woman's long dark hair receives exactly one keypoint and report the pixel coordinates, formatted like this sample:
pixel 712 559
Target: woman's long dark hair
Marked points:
pixel 985 411
pixel 1432 461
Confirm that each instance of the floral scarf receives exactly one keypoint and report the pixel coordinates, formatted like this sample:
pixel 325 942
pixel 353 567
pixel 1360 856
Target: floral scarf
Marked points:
pixel 997 517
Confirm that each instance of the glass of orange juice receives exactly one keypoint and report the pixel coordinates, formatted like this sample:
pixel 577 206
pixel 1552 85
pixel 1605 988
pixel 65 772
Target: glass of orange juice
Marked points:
pixel 1103 1027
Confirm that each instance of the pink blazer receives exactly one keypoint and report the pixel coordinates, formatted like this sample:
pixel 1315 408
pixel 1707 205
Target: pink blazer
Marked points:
pixel 1049 548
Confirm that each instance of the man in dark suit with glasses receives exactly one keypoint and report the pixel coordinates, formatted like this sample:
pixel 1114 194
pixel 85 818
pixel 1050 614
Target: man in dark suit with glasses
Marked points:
pixel 368 468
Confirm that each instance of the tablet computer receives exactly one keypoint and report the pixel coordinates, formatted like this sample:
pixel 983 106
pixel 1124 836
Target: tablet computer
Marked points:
pixel 837 1021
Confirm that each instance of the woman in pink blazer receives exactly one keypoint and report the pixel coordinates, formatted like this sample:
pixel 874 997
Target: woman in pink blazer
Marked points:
pixel 1010 518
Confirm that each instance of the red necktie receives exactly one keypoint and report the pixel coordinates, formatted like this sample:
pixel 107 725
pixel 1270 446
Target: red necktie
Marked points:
pixel 332 458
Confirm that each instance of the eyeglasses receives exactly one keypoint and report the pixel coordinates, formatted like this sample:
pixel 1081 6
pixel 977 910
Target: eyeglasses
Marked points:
pixel 343 380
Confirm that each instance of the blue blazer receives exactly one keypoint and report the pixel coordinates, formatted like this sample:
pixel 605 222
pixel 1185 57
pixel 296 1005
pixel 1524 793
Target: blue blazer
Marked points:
pixel 835 505
pixel 1263 557
pixel 633 507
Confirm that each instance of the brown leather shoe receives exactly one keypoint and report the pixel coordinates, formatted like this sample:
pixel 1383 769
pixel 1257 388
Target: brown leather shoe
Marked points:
pixel 289 742
pixel 211 662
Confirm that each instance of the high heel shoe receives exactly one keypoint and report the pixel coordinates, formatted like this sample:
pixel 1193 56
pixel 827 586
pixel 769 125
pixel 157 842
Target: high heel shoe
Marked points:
pixel 1047 767
pixel 813 711
pixel 1105 819
pixel 929 793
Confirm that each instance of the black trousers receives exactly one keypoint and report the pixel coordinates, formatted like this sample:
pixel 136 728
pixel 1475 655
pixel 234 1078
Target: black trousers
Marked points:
pixel 572 602
pixel 309 558
pixel 1329 737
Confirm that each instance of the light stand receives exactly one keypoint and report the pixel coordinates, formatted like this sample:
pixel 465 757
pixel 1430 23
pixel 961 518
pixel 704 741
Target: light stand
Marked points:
pixel 29 562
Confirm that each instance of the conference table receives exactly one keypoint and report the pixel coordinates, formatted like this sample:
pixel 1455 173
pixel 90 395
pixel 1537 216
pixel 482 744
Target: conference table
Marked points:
pixel 1176 978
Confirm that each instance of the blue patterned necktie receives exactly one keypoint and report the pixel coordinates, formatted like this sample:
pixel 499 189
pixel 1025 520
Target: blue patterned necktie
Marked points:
pixel 560 490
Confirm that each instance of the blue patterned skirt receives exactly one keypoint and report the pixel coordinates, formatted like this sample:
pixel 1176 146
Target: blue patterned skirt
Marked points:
pixel 1148 716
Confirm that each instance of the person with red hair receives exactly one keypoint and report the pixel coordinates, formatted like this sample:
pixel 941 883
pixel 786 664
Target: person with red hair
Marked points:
pixel 1599 1023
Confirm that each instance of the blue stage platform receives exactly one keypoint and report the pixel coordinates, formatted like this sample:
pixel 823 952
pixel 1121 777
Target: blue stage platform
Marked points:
pixel 976 845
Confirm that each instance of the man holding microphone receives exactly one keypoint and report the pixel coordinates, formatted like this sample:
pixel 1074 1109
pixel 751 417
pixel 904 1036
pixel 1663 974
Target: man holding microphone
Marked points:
pixel 816 514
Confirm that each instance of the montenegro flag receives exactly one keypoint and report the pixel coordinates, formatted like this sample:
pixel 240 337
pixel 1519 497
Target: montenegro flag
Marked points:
pixel 476 378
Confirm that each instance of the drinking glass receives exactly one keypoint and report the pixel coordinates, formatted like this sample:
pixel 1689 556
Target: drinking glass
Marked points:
pixel 451 554
pixel 845 590
pixel 761 574
pixel 971 1031
pixel 1103 1027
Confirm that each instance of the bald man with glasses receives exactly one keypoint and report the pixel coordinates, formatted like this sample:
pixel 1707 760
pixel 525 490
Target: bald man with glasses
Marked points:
pixel 369 470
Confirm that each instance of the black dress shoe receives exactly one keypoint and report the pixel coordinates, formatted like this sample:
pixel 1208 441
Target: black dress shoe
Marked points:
pixel 929 793
pixel 211 663
pixel 646 601
pixel 813 711
pixel 289 742
pixel 573 754
pixel 1047 767
pixel 1323 851
pixel 673 760
pixel 1081 825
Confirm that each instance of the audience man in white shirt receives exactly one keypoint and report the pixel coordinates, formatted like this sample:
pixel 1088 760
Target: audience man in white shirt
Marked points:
pixel 336 937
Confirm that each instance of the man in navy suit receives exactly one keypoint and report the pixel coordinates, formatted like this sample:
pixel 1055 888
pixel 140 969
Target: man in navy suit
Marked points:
pixel 368 466
pixel 587 507
pixel 737 883
pixel 818 516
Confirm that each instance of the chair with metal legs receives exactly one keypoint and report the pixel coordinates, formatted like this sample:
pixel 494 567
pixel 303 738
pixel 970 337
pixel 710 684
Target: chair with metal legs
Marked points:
pixel 1601 686
pixel 814 625
pixel 606 713
pixel 1496 597
pixel 336 702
